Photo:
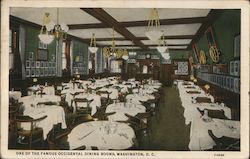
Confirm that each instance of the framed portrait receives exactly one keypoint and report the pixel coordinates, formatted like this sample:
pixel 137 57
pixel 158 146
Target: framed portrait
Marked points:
pixel 32 64
pixel 237 68
pixel 232 84
pixel 33 72
pixel 237 46
pixel 210 37
pixel 236 85
pixel 27 72
pixel 224 81
pixel 27 64
pixel 37 64
pixel 41 72
pixel 31 55
pixel 37 72
pixel 45 71
pixel 42 54
pixel 228 83
pixel 232 68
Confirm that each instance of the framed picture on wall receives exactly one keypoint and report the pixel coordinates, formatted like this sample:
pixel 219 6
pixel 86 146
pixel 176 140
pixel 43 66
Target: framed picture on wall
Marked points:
pixel 210 37
pixel 232 84
pixel 45 71
pixel 31 56
pixel 33 72
pixel 228 83
pixel 37 72
pixel 41 72
pixel 27 72
pixel 32 64
pixel 231 68
pixel 236 85
pixel 27 64
pixel 237 68
pixel 37 64
pixel 237 46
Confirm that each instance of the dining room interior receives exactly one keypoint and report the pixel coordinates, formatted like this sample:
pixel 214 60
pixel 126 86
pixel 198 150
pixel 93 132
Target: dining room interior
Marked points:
pixel 163 79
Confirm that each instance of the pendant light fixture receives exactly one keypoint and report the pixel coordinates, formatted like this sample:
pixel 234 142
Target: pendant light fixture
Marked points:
pixel 50 30
pixel 153 30
pixel 92 48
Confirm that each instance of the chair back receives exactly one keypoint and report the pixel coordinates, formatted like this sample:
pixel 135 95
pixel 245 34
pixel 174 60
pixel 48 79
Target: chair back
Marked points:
pixel 28 119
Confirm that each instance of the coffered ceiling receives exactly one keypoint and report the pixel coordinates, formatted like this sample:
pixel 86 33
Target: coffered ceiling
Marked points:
pixel 181 27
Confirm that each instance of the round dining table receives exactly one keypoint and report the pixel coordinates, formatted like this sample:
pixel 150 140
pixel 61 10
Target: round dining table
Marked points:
pixel 121 109
pixel 104 135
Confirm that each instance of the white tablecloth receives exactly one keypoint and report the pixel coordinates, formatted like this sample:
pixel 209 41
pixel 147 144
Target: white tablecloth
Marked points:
pixel 201 140
pixel 136 98
pixel 15 94
pixel 93 134
pixel 55 115
pixel 34 99
pixel 121 109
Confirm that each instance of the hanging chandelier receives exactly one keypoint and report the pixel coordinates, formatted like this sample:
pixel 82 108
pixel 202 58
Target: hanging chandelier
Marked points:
pixel 92 48
pixel 50 30
pixel 153 30
pixel 163 49
pixel 115 52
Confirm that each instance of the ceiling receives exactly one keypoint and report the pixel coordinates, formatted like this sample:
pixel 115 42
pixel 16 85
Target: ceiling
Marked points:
pixel 180 26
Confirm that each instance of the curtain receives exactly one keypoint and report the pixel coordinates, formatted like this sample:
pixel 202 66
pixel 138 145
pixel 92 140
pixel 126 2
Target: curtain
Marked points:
pixel 22 49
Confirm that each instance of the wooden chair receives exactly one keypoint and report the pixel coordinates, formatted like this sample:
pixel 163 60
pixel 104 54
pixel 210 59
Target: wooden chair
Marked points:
pixel 105 116
pixel 31 136
pixel 225 143
pixel 59 143
pixel 219 114
pixel 82 110
pixel 137 124
pixel 203 100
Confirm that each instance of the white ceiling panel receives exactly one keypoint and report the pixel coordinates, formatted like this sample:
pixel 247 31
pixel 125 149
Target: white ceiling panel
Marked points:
pixel 99 33
pixel 170 41
pixel 66 15
pixel 127 42
pixel 137 14
pixel 180 29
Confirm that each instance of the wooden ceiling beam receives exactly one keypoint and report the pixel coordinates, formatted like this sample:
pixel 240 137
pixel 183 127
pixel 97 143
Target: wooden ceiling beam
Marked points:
pixel 109 21
pixel 211 17
pixel 141 23
pixel 152 45
pixel 145 38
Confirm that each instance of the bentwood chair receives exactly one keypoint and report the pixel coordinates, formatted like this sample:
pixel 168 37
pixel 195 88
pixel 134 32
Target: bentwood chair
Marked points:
pixel 60 142
pixel 219 114
pixel 225 143
pixel 31 136
pixel 82 105
pixel 137 124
